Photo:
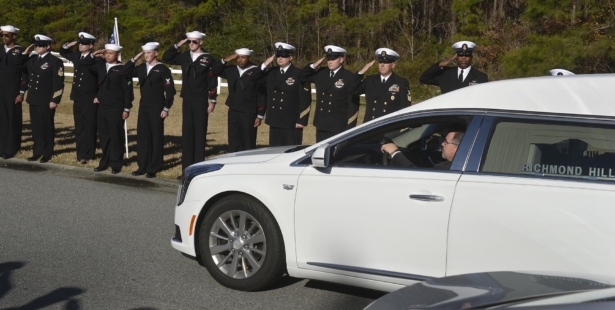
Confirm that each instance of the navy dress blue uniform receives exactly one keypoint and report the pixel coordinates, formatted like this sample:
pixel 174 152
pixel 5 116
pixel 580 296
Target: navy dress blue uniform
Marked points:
pixel 452 78
pixel 384 98
pixel 45 85
pixel 157 94
pixel 115 96
pixel 11 62
pixel 246 100
pixel 448 79
pixel 198 84
pixel 337 108
pixel 288 103
pixel 83 92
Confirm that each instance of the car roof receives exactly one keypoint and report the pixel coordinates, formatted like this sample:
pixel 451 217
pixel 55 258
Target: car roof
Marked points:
pixel 591 94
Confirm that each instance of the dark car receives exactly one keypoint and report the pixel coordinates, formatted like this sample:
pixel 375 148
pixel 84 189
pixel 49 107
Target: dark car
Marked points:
pixel 503 290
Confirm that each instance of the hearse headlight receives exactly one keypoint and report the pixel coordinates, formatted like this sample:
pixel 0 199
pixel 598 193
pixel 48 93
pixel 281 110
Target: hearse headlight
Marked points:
pixel 189 174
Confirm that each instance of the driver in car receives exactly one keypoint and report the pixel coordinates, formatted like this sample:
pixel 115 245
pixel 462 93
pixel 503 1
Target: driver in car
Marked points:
pixel 449 148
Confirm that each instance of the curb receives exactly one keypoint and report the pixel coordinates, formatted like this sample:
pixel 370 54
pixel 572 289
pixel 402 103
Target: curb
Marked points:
pixel 121 179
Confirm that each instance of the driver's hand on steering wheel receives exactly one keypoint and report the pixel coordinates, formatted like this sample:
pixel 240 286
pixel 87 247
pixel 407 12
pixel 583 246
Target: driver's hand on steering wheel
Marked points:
pixel 389 148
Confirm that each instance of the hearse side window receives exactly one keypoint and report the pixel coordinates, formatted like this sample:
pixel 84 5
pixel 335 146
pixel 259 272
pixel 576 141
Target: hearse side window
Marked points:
pixel 551 149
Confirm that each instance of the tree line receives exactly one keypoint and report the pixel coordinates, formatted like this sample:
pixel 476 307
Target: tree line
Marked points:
pixel 516 38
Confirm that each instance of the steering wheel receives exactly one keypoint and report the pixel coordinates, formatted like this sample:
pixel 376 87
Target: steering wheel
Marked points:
pixel 385 155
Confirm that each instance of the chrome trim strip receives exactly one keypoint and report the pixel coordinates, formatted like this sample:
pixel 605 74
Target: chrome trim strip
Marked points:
pixel 543 177
pixel 376 272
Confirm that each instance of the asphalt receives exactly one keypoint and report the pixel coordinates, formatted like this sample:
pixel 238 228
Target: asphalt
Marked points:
pixel 74 239
pixel 156 184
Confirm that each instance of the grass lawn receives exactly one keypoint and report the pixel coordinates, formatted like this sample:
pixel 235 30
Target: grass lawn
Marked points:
pixel 65 150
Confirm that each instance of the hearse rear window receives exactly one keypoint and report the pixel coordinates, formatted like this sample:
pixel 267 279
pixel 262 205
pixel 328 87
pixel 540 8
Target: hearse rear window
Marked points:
pixel 551 149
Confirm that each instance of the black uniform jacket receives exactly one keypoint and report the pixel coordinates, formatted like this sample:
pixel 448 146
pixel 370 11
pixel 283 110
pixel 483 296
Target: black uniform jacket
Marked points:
pixel 85 83
pixel 383 99
pixel 45 80
pixel 448 79
pixel 399 160
pixel 337 108
pixel 288 100
pixel 245 92
pixel 115 87
pixel 11 63
pixel 198 83
pixel 157 87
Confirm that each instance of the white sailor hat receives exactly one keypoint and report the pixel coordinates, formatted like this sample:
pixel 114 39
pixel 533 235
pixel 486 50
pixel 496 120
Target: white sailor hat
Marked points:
pixel 86 38
pixel 464 47
pixel 244 51
pixel 113 47
pixel 9 28
pixel 195 34
pixel 560 72
pixel 334 51
pixel 386 55
pixel 41 40
pixel 283 49
pixel 150 46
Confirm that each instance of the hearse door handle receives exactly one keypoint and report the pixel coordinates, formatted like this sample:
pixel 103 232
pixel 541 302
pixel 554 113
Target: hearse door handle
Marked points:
pixel 427 198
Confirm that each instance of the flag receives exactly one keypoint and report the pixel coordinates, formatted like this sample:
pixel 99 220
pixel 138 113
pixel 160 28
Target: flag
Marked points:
pixel 115 37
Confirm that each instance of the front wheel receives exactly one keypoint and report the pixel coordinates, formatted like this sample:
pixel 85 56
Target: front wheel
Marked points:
pixel 241 245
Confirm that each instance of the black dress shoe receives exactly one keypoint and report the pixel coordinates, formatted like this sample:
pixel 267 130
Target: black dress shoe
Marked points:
pixel 150 175
pixel 99 169
pixel 33 158
pixel 84 161
pixel 137 173
pixel 115 171
pixel 45 159
pixel 7 156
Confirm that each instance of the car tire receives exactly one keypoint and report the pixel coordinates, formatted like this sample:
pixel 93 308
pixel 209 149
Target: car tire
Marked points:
pixel 248 258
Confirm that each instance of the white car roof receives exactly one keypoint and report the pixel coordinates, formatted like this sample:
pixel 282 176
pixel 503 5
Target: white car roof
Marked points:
pixel 592 94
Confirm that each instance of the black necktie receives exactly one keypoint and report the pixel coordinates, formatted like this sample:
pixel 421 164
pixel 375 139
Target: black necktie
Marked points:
pixel 383 81
pixel 82 57
pixel 332 73
pixel 461 76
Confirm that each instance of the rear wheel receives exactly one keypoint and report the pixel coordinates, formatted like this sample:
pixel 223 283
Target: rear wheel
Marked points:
pixel 241 244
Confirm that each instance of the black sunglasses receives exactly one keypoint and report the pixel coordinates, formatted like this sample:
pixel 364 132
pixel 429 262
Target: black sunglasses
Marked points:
pixel 333 57
pixel 193 41
pixel 282 55
pixel 41 44
pixel 7 35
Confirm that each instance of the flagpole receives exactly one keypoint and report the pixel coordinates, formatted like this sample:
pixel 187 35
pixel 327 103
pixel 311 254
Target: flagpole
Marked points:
pixel 126 135
pixel 116 36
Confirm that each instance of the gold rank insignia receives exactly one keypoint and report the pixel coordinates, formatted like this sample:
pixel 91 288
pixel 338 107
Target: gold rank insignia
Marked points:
pixel 329 51
pixel 280 47
pixel 383 54
pixel 464 47
pixel 60 72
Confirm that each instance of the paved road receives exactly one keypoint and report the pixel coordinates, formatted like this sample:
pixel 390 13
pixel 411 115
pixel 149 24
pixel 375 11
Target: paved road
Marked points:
pixel 74 240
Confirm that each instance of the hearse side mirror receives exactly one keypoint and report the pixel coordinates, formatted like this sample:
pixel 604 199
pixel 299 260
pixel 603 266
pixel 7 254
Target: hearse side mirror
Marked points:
pixel 320 157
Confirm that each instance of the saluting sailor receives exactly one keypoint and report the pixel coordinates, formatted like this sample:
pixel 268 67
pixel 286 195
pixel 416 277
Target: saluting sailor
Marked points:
pixel 85 87
pixel 337 109
pixel 45 88
pixel 246 99
pixel 288 100
pixel 157 95
pixel 11 97
pixel 556 72
pixel 114 99
pixel 385 92
pixel 453 78
pixel 198 85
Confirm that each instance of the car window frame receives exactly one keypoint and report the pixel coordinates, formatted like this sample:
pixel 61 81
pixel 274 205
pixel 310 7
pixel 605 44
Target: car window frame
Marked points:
pixel 459 162
pixel 477 153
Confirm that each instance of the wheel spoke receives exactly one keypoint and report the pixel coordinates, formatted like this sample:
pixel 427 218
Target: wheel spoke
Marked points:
pixel 226 229
pixel 242 222
pixel 256 239
pixel 220 236
pixel 222 262
pixel 243 265
pixel 233 268
pixel 257 251
pixel 255 265
pixel 232 218
pixel 219 248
